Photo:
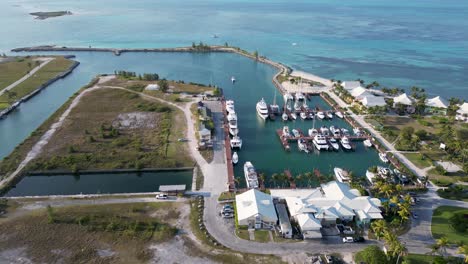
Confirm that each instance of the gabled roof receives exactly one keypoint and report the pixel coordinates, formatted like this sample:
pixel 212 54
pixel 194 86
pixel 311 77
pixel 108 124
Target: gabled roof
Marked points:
pixel 350 85
pixel 463 108
pixel 360 92
pixel 372 100
pixel 308 222
pixel 403 99
pixel 254 202
pixel 437 102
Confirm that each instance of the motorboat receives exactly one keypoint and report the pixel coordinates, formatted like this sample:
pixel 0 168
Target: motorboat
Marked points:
pixel 339 115
pixel 293 116
pixel 303 115
pixel 302 145
pixel 262 109
pixel 233 131
pixel 232 116
pixel 233 80
pixel 286 132
pixel 367 143
pixel 320 115
pixel 383 172
pixel 383 157
pixel 345 143
pixel 320 142
pixel 341 175
pixel 334 144
pixel 396 171
pixel 299 102
pixel 336 132
pixel 235 158
pixel 275 109
pixel 251 177
pixel 296 133
pixel 345 132
pixel 370 177
pixel 285 117
pixel 288 98
pixel 329 115
pixel 357 131
pixel 236 142
pixel 313 132
pixel 232 120
pixel 230 106
pixel 311 115
pixel 325 131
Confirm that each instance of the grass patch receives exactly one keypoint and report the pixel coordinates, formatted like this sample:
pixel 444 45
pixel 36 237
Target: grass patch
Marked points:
pixel 419 160
pixel 243 234
pixel 207 154
pixel 227 196
pixel 13 69
pixel 49 71
pixel 456 192
pixel 441 224
pixel 419 259
pixel 126 229
pixel 262 236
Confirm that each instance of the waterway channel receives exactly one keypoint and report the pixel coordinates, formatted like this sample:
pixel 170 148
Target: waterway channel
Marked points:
pixel 261 145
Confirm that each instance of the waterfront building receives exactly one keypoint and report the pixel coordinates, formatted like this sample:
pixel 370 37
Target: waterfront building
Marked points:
pixel 327 204
pixel 371 101
pixel 462 112
pixel 350 85
pixel 255 209
pixel 403 99
pixel 360 92
pixel 437 105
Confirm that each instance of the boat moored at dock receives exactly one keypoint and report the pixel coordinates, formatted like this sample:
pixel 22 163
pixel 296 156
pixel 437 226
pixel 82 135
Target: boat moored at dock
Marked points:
pixel 383 157
pixel 334 144
pixel 230 106
pixel 341 175
pixel 367 143
pixel 302 145
pixel 251 177
pixel 320 142
pixel 236 142
pixel 262 109
pixel 235 158
pixel 320 115
pixel 345 143
pixel 339 115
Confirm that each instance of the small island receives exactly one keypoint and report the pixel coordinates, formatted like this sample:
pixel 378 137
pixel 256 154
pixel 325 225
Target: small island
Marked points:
pixel 45 15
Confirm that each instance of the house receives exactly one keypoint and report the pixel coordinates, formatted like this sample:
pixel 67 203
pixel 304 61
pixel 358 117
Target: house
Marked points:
pixel 402 99
pixel 360 92
pixel 204 133
pixel 372 100
pixel 334 201
pixel 350 85
pixel 255 209
pixel 152 87
pixel 462 112
pixel 437 105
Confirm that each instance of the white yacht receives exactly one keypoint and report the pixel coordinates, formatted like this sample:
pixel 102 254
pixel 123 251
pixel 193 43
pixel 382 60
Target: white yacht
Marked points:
pixel 357 131
pixel 320 115
pixel 345 143
pixel 275 109
pixel 288 98
pixel 286 132
pixel 334 144
pixel 296 133
pixel 303 115
pixel 313 132
pixel 285 117
pixel 320 142
pixel 336 132
pixel 302 145
pixel 311 115
pixel 367 143
pixel 233 80
pixel 330 115
pixel 341 175
pixel 236 142
pixel 370 177
pixel 233 131
pixel 345 132
pixel 293 116
pixel 325 131
pixel 339 115
pixel 383 172
pixel 232 120
pixel 230 106
pixel 383 157
pixel 235 158
pixel 299 102
pixel 251 177
pixel 262 109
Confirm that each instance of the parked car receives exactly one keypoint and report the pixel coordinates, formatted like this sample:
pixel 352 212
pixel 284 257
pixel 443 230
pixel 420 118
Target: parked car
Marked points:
pixel 161 196
pixel 227 215
pixel 359 240
pixel 228 206
pixel 348 240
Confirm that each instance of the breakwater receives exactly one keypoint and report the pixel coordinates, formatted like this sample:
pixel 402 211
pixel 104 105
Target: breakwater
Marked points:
pixel 39 89
pixel 84 172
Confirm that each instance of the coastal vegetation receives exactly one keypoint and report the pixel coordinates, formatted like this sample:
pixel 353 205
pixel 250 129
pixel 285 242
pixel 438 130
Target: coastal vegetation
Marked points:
pixel 83 234
pixel 21 67
pixel 45 15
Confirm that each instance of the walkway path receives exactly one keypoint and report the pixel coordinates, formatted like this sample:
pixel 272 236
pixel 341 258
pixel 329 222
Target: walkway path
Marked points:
pixel 44 61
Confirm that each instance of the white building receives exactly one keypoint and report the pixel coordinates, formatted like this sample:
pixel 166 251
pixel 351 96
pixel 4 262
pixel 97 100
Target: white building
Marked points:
pixel 371 101
pixel 462 113
pixel 327 204
pixel 403 99
pixel 437 102
pixel 152 87
pixel 360 92
pixel 350 85
pixel 255 209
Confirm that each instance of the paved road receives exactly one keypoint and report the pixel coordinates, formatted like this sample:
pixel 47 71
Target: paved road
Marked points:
pixel 44 61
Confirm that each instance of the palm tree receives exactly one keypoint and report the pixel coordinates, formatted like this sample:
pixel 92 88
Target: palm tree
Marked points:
pixel 442 243
pixel 309 176
pixel 262 177
pixel 387 190
pixel 274 179
pixel 464 250
pixel 399 250
pixel 379 227
pixel 299 179
pixel 404 214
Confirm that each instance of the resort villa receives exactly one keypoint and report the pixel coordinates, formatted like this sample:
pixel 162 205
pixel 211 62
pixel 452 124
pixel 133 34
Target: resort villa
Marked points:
pixel 351 85
pixel 462 112
pixel 255 209
pixel 372 100
pixel 437 105
pixel 321 207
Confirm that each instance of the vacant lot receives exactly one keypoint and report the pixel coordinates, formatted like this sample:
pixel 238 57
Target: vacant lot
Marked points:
pixel 13 68
pixel 116 129
pixel 441 225
pixel 49 71
pixel 117 233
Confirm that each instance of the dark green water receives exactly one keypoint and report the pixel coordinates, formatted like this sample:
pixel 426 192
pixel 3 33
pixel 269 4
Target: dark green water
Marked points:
pixel 99 183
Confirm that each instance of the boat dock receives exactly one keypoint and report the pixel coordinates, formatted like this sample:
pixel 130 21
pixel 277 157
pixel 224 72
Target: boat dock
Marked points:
pixel 227 147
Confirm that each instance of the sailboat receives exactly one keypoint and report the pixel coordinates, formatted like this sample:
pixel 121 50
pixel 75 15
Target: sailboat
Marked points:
pixel 274 107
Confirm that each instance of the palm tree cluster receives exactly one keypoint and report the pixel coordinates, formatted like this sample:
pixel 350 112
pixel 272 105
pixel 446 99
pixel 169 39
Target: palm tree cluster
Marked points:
pixel 394 246
pixel 396 206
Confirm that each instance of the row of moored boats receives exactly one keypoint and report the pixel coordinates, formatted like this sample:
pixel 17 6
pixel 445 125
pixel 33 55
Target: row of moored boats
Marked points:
pixel 236 141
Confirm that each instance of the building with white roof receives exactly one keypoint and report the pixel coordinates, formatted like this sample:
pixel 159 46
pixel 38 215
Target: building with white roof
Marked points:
pixel 360 92
pixel 255 209
pixel 152 87
pixel 327 204
pixel 371 101
pixel 437 102
pixel 402 99
pixel 350 85
pixel 462 112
